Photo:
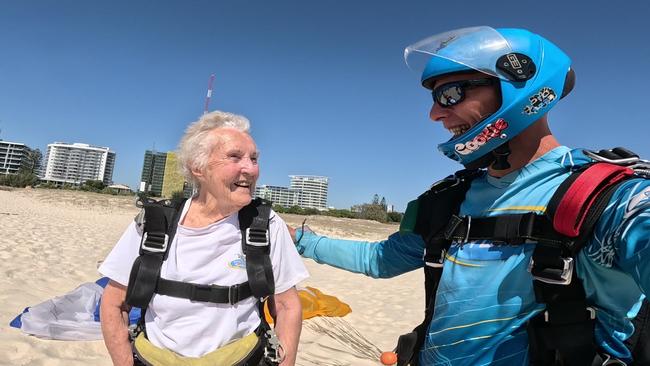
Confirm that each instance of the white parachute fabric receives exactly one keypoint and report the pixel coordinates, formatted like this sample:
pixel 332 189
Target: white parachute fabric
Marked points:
pixel 69 317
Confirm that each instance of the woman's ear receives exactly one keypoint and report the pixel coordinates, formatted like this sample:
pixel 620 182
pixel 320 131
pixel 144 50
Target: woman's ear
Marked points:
pixel 198 173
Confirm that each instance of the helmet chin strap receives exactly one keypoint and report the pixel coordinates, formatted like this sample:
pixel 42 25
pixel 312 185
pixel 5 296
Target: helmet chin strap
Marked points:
pixel 501 154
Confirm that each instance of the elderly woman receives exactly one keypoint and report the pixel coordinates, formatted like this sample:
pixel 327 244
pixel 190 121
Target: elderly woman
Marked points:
pixel 205 254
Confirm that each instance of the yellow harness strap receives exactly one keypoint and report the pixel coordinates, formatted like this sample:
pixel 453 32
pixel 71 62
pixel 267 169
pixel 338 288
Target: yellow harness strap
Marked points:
pixel 229 354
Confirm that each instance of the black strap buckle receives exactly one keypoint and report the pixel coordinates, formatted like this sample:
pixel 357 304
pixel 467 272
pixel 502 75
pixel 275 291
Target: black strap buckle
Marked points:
pixel 155 242
pixel 258 238
pixel 201 293
pixel 215 294
pixel 453 224
pixel 527 227
pixel 233 294
pixel 589 309
pixel 435 261
pixel 551 275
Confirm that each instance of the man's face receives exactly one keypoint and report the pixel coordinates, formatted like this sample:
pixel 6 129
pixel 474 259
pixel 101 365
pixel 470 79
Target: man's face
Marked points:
pixel 479 102
pixel 232 169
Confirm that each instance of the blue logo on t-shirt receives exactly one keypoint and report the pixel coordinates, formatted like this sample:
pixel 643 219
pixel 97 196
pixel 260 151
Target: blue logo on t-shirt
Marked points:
pixel 240 262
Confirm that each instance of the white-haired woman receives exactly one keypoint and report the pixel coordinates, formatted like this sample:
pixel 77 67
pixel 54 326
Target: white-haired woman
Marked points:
pixel 219 156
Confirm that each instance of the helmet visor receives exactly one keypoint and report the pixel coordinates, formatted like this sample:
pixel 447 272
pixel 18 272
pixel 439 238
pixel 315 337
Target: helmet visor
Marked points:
pixel 478 48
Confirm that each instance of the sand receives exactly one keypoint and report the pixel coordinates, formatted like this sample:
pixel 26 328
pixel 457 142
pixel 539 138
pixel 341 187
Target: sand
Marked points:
pixel 52 240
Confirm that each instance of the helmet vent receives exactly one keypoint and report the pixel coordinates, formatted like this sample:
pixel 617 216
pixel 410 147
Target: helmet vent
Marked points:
pixel 516 66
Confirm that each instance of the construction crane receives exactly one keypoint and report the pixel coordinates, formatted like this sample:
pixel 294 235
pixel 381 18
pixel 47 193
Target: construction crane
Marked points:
pixel 208 95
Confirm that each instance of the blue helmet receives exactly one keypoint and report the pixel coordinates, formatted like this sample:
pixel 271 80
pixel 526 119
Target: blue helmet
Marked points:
pixel 533 75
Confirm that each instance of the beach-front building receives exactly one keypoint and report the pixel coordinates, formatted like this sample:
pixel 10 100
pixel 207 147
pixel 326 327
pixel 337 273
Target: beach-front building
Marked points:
pixel 12 156
pixel 120 188
pixel 313 190
pixel 161 176
pixel 283 196
pixel 153 172
pixel 76 163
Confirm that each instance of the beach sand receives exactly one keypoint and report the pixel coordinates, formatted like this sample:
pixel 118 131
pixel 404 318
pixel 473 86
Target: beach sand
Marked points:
pixel 52 240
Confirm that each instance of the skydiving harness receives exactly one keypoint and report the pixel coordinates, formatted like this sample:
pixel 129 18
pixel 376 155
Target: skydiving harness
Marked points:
pixel 563 334
pixel 160 224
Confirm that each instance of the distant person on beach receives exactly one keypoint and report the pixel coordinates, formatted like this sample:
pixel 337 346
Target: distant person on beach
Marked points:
pixel 203 269
pixel 534 253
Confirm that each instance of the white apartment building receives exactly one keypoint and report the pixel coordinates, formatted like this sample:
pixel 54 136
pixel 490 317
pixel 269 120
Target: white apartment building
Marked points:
pixel 77 163
pixel 283 196
pixel 313 190
pixel 11 156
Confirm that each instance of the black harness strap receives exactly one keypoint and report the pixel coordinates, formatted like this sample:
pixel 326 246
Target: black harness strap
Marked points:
pixel 206 293
pixel 160 222
pixel 639 343
pixel 564 333
pixel 511 229
pixel 254 226
pixel 435 207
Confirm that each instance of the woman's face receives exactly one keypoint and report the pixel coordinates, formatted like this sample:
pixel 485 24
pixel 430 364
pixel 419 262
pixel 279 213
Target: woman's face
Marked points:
pixel 232 171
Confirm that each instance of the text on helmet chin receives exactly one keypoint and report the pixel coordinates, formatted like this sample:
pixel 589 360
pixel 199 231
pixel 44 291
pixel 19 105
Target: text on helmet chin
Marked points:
pixel 489 132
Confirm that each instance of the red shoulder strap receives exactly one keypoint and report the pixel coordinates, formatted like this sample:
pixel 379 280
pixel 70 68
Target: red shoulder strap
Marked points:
pixel 581 193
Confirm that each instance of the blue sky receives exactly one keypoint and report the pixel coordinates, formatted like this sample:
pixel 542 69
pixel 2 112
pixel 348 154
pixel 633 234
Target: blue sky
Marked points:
pixel 323 82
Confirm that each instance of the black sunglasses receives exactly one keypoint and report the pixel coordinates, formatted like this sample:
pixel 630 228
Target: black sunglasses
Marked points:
pixel 453 93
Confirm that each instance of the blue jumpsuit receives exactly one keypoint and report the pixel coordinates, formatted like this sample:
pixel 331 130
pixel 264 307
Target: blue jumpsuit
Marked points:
pixel 485 296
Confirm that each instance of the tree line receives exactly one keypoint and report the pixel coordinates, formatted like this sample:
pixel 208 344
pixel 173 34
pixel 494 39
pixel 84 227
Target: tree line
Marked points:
pixel 374 210
pixel 27 173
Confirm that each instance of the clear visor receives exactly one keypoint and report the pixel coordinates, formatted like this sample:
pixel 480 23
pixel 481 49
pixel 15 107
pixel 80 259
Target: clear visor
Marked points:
pixel 478 48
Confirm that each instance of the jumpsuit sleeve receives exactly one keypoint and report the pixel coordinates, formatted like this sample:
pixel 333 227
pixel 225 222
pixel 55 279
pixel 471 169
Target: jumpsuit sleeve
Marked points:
pixel 398 254
pixel 631 231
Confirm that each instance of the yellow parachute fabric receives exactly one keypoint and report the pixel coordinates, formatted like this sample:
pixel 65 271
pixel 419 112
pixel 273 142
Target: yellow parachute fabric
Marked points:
pixel 315 303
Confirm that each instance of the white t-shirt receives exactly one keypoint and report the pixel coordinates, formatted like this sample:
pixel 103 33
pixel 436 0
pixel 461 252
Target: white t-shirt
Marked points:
pixel 206 255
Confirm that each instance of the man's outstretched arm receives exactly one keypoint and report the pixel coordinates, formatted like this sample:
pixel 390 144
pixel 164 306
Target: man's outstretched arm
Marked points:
pixel 399 253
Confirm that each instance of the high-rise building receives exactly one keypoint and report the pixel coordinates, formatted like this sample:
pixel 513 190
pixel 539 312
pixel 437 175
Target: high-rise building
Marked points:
pixel 282 196
pixel 153 172
pixel 161 176
pixel 76 163
pixel 12 156
pixel 313 190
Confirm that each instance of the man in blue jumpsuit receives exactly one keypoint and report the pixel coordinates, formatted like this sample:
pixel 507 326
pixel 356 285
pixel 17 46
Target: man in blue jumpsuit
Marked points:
pixel 492 89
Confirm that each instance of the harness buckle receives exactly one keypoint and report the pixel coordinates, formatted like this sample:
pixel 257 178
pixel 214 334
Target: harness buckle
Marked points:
pixel 592 312
pixel 452 225
pixel 273 352
pixel 154 242
pixel 258 238
pixel 233 294
pixel 134 330
pixel 434 261
pixel 469 227
pixel 554 276
pixel 589 309
pixel 201 293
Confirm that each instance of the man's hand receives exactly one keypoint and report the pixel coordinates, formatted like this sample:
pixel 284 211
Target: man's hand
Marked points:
pixel 292 232
pixel 304 228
